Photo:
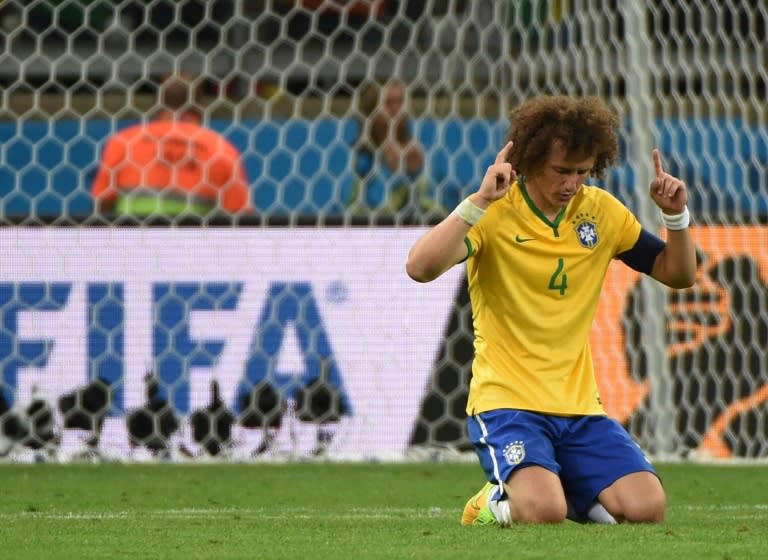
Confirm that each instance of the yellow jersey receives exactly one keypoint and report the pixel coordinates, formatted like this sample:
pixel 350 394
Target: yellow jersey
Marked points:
pixel 534 285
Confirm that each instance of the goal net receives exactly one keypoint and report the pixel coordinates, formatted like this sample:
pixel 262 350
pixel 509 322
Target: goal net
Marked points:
pixel 291 330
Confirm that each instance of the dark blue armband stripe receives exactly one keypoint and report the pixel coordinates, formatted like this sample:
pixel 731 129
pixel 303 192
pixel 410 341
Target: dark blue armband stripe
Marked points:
pixel 643 254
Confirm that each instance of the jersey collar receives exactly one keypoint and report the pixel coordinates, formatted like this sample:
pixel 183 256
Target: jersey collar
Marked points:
pixel 532 205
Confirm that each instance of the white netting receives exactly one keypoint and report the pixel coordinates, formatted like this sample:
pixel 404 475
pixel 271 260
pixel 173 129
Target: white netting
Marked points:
pixel 285 82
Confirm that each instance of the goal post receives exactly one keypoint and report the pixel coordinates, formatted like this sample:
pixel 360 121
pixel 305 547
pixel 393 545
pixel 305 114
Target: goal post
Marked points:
pixel 293 331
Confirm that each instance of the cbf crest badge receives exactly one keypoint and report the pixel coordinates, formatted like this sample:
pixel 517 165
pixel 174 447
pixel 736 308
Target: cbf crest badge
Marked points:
pixel 514 452
pixel 586 231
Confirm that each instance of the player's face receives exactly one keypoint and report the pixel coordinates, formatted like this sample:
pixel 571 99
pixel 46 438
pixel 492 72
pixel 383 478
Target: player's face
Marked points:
pixel 558 181
pixel 394 100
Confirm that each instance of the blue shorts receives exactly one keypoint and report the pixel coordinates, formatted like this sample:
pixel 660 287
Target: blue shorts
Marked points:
pixel 588 453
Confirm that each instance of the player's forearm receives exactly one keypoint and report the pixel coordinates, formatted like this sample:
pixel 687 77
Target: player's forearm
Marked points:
pixel 676 264
pixel 438 250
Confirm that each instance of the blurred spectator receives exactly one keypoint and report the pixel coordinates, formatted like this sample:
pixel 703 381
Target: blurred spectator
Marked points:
pixel 389 162
pixel 172 165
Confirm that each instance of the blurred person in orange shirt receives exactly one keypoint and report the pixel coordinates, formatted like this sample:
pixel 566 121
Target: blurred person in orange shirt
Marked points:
pixel 171 165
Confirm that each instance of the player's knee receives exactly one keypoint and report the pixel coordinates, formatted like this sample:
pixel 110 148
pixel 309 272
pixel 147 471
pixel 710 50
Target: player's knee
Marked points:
pixel 651 509
pixel 539 511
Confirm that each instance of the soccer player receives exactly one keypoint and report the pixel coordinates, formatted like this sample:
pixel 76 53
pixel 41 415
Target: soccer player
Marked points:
pixel 172 165
pixel 537 243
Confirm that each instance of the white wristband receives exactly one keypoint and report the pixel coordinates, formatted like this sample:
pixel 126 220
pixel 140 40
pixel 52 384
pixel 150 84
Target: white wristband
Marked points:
pixel 469 212
pixel 676 221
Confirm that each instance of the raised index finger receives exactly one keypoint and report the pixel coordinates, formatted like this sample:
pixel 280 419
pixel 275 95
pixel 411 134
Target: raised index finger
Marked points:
pixel 657 162
pixel 502 155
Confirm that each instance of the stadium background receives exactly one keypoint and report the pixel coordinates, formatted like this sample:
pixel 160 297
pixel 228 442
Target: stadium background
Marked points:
pixel 378 376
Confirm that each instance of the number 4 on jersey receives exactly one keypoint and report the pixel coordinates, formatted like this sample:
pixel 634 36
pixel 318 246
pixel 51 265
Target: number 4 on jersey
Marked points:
pixel 559 279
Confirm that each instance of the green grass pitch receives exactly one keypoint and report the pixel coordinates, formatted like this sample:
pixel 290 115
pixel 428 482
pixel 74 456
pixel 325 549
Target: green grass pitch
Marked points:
pixel 347 511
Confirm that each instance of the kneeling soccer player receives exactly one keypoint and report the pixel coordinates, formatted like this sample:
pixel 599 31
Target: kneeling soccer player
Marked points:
pixel 537 243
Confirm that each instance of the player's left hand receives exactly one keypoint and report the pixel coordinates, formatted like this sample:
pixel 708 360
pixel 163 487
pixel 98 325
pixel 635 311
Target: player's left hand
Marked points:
pixel 667 191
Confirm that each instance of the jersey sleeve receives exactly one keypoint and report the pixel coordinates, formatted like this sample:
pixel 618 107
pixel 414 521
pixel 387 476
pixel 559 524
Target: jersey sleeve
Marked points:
pixel 626 225
pixel 473 241
pixel 112 154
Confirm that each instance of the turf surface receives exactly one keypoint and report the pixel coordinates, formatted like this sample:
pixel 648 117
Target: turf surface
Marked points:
pixel 332 511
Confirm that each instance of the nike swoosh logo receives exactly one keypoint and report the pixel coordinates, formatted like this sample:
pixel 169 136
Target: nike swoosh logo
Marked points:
pixel 524 239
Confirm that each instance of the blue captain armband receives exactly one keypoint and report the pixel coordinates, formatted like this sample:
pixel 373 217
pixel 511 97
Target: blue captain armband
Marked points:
pixel 643 254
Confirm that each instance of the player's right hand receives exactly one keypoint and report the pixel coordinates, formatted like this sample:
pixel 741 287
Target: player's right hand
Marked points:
pixel 498 178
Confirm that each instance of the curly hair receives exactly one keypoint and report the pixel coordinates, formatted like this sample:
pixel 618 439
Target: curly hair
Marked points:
pixel 586 127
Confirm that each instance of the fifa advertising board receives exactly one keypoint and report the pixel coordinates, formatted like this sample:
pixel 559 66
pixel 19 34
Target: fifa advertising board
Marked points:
pixel 328 321
pixel 243 307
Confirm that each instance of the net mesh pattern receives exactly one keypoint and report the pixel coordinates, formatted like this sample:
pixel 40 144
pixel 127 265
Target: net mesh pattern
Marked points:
pixel 284 82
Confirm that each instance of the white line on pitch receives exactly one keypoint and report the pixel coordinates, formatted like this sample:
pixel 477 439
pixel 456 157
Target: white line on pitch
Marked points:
pixel 260 513
pixel 717 507
pixel 307 513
